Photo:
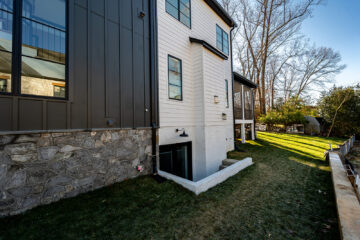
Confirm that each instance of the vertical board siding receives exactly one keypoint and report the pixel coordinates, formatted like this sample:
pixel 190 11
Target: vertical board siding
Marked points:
pixel 79 83
pixel 30 114
pixel 109 72
pixel 56 115
pixel 6 114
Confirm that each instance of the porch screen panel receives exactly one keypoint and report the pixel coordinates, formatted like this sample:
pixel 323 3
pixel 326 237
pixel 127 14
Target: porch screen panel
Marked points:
pixel 248 103
pixel 238 106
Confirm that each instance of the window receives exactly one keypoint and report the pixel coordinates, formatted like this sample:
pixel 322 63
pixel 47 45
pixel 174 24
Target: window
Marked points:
pixel 175 78
pixel 179 9
pixel 177 159
pixel 59 91
pixel 39 51
pixel 3 85
pixel 222 40
pixel 227 93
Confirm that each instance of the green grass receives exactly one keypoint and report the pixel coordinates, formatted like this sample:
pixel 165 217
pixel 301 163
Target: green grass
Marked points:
pixel 286 194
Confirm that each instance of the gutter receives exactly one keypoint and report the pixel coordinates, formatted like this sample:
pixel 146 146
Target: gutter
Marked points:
pixel 232 83
pixel 154 82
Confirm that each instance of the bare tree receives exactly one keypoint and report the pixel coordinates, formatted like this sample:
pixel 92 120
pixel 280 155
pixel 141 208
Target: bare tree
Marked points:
pixel 315 67
pixel 266 26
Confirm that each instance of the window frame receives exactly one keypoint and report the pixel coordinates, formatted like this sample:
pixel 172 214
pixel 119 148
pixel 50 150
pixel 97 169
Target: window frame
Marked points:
pixel 222 40
pixel 179 12
pixel 181 80
pixel 227 93
pixel 16 54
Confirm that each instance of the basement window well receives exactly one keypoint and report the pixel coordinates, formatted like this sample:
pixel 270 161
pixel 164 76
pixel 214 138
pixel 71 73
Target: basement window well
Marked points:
pixel 176 159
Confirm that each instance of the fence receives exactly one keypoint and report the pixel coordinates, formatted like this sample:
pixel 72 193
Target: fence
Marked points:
pixel 346 146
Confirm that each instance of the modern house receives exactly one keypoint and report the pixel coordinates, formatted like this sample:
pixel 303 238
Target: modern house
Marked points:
pixel 244 108
pixel 195 87
pixel 93 92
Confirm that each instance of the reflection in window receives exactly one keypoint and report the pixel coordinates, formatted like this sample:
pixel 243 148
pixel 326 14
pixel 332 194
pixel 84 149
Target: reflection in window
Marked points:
pixel 175 78
pixel 6 24
pixel 43 47
pixel 59 91
pixel 179 9
pixel 222 40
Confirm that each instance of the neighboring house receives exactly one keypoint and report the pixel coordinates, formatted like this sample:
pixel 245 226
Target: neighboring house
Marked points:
pixel 78 97
pixel 244 108
pixel 195 87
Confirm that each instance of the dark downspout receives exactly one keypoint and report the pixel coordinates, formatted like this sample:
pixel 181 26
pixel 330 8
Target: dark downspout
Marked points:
pixel 154 82
pixel 232 79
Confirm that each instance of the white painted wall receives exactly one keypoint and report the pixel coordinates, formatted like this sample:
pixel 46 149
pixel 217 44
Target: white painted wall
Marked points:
pixel 204 76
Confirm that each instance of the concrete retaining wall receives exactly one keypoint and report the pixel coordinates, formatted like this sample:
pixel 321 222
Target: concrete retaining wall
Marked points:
pixel 210 181
pixel 346 200
pixel 38 169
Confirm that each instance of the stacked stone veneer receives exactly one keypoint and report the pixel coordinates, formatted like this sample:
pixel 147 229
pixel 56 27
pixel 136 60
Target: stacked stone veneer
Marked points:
pixel 38 169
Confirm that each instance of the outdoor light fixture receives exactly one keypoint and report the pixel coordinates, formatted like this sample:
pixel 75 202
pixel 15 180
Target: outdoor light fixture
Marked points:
pixel 216 99
pixel 183 134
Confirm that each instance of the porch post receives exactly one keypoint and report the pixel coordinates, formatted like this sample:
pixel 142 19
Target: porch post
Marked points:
pixel 253 131
pixel 243 132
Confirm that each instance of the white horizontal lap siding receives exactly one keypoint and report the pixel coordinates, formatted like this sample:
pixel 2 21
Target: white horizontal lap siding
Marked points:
pixel 173 39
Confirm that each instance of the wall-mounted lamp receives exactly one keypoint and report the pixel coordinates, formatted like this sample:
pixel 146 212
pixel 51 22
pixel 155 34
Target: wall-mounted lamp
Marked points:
pixel 183 134
pixel 224 116
pixel 216 99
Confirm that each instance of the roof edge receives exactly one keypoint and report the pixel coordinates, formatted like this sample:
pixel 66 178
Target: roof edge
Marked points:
pixel 221 12
pixel 238 77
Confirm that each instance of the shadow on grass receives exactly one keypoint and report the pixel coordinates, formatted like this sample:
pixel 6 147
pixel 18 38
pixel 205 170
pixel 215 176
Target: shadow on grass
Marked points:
pixel 276 197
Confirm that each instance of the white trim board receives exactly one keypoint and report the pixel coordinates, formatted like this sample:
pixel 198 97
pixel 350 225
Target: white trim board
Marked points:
pixel 211 181
pixel 238 121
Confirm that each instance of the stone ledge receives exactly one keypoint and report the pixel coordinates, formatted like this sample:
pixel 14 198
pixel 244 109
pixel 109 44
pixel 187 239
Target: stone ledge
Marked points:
pixel 211 181
pixel 348 205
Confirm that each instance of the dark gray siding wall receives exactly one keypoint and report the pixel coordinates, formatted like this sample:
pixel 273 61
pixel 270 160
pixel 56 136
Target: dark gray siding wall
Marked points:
pixel 109 72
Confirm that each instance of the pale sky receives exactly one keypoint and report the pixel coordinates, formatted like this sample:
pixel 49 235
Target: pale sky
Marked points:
pixel 336 24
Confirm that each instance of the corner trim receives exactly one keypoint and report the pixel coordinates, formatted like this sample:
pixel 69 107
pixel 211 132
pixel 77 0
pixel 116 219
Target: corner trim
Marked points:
pixel 209 47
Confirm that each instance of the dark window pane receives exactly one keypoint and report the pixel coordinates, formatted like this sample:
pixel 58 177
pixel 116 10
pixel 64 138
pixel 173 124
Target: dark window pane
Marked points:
pixel 186 3
pixel 172 10
pixel 175 92
pixel 174 78
pixel 50 12
pixel 174 3
pixel 227 93
pixel 175 81
pixel 39 77
pixel 43 48
pixel 185 10
pixel 59 91
pixel 185 20
pixel 6 5
pixel 222 40
pixel 43 42
pixel 174 65
pixel 6 20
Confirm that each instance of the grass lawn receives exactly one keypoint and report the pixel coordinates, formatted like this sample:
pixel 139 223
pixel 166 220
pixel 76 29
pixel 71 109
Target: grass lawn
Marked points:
pixel 286 194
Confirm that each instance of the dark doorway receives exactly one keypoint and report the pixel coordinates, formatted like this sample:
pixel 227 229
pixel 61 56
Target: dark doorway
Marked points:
pixel 177 159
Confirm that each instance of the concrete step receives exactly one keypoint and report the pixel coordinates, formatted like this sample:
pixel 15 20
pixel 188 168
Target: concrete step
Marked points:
pixel 228 162
pixel 222 167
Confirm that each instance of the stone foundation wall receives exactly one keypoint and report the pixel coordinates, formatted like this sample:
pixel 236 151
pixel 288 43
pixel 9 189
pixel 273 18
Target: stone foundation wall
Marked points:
pixel 38 169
